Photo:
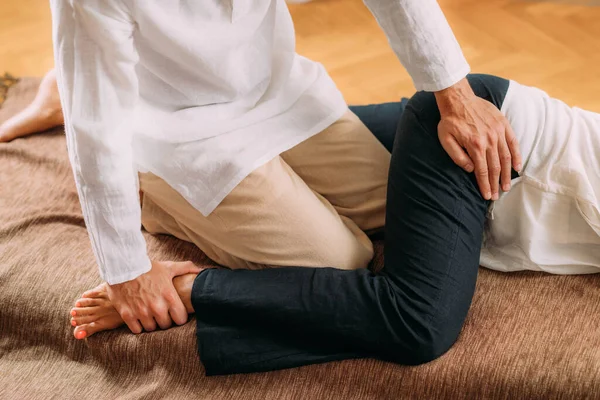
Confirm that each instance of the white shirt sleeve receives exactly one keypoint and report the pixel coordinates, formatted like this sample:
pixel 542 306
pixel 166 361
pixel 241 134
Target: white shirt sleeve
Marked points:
pixel 420 36
pixel 95 62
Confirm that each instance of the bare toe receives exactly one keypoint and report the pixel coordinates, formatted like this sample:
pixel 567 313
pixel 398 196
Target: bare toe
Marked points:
pixel 104 323
pixel 98 291
pixel 80 332
pixel 87 319
pixel 94 313
pixel 87 303
pixel 84 311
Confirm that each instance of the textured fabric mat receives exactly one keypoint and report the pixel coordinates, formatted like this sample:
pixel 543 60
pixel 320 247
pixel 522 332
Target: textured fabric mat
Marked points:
pixel 528 335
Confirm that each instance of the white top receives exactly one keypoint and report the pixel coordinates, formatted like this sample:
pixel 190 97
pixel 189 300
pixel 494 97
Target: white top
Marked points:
pixel 550 219
pixel 201 93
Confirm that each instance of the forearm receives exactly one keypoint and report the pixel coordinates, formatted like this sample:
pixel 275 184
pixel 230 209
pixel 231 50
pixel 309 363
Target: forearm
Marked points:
pixel 420 36
pixel 95 64
pixel 112 215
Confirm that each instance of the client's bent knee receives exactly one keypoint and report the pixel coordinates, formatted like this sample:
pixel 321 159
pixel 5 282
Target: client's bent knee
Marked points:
pixel 422 344
pixel 429 350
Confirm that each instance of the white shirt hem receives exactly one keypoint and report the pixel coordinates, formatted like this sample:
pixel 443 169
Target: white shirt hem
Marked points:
pixel 244 172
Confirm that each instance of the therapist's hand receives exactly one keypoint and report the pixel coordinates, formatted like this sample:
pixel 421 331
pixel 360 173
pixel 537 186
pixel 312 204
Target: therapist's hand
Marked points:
pixel 151 299
pixel 478 138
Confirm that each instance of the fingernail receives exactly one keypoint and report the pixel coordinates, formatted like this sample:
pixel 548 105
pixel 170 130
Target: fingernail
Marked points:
pixel 78 304
pixel 519 166
pixel 80 335
pixel 469 167
pixel 73 323
pixel 506 187
pixel 488 195
pixel 495 197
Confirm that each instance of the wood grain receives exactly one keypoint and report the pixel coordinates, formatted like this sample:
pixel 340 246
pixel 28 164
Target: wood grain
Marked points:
pixel 549 44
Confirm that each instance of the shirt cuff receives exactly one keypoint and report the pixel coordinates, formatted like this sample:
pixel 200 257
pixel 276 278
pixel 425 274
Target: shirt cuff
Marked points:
pixel 443 82
pixel 115 279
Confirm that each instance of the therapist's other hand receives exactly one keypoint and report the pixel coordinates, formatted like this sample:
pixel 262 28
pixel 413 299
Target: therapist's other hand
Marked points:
pixel 478 138
pixel 151 299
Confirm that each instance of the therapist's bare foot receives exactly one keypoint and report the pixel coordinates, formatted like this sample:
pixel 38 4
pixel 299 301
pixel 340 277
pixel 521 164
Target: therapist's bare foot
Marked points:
pixel 43 113
pixel 94 313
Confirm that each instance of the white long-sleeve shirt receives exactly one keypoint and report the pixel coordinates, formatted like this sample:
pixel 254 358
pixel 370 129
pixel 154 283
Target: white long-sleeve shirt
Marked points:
pixel 201 93
pixel 550 219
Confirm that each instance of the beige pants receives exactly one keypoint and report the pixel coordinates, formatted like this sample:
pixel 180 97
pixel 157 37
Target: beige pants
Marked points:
pixel 310 206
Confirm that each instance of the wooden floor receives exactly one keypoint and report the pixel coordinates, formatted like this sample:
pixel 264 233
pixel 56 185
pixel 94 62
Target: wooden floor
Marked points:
pixel 549 44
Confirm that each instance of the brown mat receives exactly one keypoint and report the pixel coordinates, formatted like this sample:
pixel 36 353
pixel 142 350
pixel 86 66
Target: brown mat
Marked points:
pixel 528 335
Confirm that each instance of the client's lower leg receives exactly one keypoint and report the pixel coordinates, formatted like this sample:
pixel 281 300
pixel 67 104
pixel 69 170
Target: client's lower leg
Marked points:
pixel 43 113
pixel 94 312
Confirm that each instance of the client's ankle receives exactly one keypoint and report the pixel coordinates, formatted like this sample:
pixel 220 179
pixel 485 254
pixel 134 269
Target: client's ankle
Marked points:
pixel 183 284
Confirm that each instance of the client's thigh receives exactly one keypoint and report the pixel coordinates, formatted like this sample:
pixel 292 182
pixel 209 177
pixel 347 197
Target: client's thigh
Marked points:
pixel 272 218
pixel 435 219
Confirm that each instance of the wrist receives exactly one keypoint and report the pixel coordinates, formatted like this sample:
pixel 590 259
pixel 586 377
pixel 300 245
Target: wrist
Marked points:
pixel 454 96
pixel 120 280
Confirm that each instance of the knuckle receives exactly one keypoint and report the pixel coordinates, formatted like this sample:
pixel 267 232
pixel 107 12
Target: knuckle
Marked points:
pixel 160 310
pixel 477 142
pixel 169 296
pixel 460 159
pixel 482 173
pixel 126 315
pixel 505 158
pixel 135 329
pixel 492 137
pixel 513 142
pixel 180 319
pixel 151 327
pixel 166 324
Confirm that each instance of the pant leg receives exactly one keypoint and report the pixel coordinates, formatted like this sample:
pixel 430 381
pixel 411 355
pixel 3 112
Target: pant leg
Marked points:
pixel 382 120
pixel 347 166
pixel 410 313
pixel 272 218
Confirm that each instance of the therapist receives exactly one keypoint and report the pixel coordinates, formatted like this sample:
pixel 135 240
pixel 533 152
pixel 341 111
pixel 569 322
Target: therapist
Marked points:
pixel 209 102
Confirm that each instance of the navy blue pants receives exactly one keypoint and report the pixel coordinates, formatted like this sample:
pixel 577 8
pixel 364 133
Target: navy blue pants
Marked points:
pixel 410 313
